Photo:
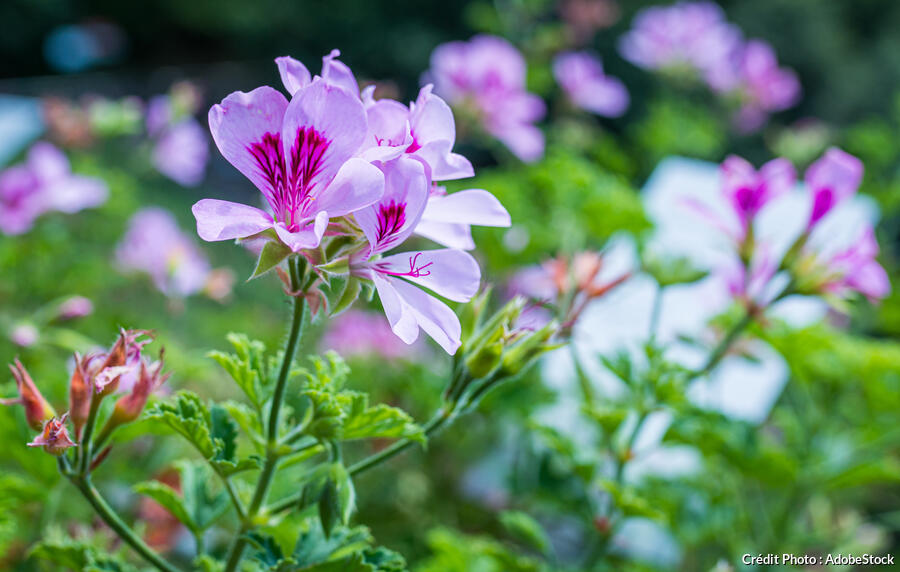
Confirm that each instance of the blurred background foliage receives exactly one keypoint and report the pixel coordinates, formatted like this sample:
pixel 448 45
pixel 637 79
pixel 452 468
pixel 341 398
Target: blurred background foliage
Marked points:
pixel 821 474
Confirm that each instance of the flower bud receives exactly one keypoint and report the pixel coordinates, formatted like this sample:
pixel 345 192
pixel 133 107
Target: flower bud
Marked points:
pixel 79 395
pixel 74 307
pixel 129 407
pixel 485 359
pixel 24 335
pixel 123 359
pixel 37 409
pixel 524 352
pixel 496 327
pixel 55 437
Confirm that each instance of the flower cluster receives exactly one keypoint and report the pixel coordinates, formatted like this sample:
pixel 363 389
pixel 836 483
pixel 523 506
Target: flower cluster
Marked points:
pixel 347 179
pixel 695 39
pixel 830 181
pixel 486 75
pixel 121 369
pixel 44 183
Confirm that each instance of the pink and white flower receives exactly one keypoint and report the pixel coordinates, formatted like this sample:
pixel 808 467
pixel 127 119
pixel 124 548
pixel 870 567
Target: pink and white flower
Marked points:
pixel 300 155
pixel 488 73
pixel 832 179
pixel 451 273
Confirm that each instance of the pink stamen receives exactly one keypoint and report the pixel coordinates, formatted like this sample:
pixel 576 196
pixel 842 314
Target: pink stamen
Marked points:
pixel 414 270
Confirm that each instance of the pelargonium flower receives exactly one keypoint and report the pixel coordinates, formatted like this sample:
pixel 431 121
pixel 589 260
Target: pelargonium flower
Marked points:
pixel 24 334
pixel 581 76
pixel 832 179
pixel 55 437
pixel 748 190
pixel 154 244
pixel 43 183
pixel 450 273
pixel 763 86
pixel 181 153
pixel 300 154
pixel 855 269
pixel 686 35
pixel 488 74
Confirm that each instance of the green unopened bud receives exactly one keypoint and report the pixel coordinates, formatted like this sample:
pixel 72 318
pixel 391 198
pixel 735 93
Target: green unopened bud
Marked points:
pixel 524 352
pixel 471 314
pixel 497 326
pixel 485 359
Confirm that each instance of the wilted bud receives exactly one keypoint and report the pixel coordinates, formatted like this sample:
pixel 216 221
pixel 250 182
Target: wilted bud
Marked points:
pixel 129 407
pixel 123 359
pixel 55 437
pixel 523 353
pixel 79 395
pixel 37 409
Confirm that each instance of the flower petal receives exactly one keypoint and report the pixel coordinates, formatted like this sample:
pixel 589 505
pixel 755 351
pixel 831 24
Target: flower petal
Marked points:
pixel 434 134
pixel 307 237
pixel 405 194
pixel 247 121
pixel 75 193
pixel 338 73
pixel 294 74
pixel 836 170
pixel 454 274
pixel 224 220
pixel 447 234
pixel 324 125
pixel 358 184
pixel 432 315
pixel 402 320
pixel 472 206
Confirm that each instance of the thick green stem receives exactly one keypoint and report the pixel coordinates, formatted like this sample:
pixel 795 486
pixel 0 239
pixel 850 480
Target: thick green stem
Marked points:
pixel 109 516
pixel 236 550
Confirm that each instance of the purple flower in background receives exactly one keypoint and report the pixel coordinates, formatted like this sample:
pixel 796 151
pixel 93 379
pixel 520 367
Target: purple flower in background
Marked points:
pixel 450 273
pixel 448 218
pixel 686 35
pixel 154 244
pixel 764 87
pixel 833 178
pixel 75 307
pixel 856 270
pixel 360 333
pixel 181 153
pixel 749 190
pixel 24 335
pixel 44 183
pixel 488 73
pixel 581 76
pixel 301 157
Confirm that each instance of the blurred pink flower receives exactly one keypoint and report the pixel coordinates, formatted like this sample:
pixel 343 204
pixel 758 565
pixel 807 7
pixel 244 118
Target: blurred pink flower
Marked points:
pixel 75 307
pixel 762 85
pixel 856 270
pixel 684 36
pixel 43 183
pixel 154 244
pixel 749 190
pixel 488 73
pixel 450 273
pixel 24 335
pixel 832 179
pixel 581 76
pixel 360 333
pixel 182 149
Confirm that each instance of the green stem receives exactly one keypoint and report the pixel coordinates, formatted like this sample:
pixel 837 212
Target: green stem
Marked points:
pixel 655 312
pixel 109 516
pixel 584 382
pixel 235 499
pixel 86 448
pixel 440 418
pixel 236 550
pixel 716 356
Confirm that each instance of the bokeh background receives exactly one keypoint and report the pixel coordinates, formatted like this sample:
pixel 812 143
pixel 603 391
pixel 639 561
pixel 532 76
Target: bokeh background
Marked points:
pixel 821 468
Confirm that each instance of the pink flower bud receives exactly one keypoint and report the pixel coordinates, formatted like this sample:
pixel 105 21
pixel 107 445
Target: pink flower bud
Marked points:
pixel 37 409
pixel 129 407
pixel 75 307
pixel 24 335
pixel 79 394
pixel 55 437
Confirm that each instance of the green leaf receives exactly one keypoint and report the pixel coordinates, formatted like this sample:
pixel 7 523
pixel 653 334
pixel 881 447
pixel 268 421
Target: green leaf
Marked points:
pixel 350 294
pixel 189 417
pixel 272 254
pixel 381 421
pixel 314 547
pixel 335 289
pixel 203 505
pixel 224 432
pixel 247 366
pixel 169 499
pixel 526 530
